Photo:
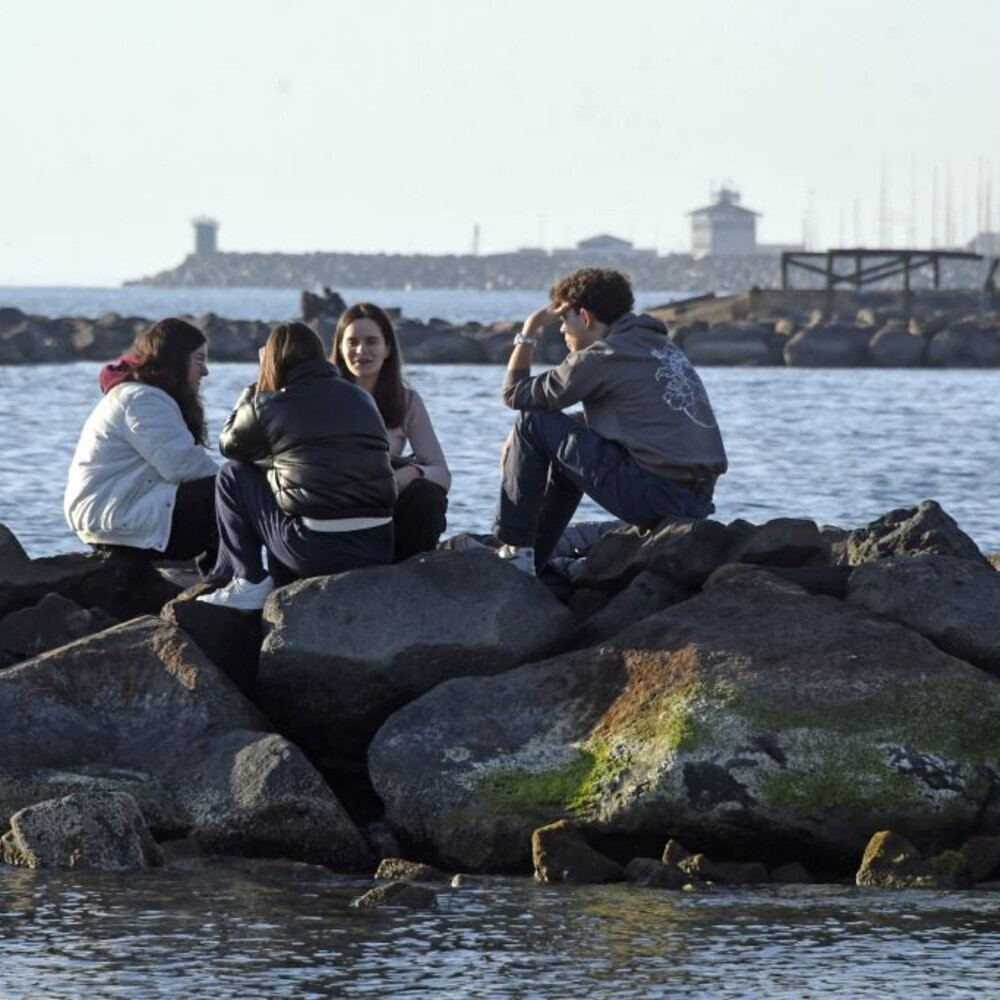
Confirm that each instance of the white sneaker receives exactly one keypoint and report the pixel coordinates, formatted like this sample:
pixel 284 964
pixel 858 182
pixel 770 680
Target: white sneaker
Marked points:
pixel 240 594
pixel 521 557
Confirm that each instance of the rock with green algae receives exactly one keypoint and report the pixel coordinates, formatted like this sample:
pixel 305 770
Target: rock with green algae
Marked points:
pixel 890 861
pixel 751 712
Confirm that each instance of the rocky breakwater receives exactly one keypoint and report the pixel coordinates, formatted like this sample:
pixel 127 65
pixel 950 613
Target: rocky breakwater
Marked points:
pixel 701 703
pixel 871 340
pixel 29 339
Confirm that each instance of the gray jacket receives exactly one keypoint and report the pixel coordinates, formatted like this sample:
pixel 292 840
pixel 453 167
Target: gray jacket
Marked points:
pixel 638 389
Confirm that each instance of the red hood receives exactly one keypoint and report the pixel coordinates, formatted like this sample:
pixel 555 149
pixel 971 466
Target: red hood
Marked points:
pixel 116 372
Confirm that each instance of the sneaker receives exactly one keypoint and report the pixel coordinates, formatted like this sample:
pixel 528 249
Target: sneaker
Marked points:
pixel 521 557
pixel 240 594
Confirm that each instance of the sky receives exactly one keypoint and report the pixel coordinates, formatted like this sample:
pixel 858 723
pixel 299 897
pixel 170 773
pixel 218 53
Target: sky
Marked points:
pixel 400 125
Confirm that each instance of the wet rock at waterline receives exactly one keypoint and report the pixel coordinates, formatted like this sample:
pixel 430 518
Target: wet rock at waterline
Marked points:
pixel 96 830
pixel 751 711
pixel 140 709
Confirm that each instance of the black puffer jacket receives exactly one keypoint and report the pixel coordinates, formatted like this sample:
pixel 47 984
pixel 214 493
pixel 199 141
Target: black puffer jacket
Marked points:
pixel 321 441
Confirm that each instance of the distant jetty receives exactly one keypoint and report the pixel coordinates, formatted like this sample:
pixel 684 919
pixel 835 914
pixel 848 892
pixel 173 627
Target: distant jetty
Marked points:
pixel 529 270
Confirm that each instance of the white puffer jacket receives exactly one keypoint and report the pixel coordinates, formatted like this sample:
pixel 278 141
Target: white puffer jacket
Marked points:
pixel 133 452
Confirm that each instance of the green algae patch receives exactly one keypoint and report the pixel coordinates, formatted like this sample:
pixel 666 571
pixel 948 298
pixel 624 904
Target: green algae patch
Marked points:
pixel 575 787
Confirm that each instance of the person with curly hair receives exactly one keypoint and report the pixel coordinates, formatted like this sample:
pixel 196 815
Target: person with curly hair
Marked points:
pixel 646 446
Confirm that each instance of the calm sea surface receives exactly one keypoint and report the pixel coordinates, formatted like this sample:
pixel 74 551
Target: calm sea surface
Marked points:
pixel 211 935
pixel 841 447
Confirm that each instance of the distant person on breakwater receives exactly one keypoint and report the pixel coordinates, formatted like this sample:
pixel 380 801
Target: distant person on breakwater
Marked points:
pixel 308 480
pixel 647 446
pixel 367 352
pixel 140 477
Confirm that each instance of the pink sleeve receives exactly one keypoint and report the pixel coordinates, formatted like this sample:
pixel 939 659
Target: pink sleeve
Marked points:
pixel 424 442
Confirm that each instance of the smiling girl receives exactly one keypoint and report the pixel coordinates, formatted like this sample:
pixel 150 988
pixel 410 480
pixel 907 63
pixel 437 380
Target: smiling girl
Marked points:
pixel 366 351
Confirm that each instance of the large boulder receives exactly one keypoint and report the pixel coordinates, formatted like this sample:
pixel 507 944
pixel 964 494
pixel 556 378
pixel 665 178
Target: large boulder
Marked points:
pixel 53 621
pixel 749 716
pixel 926 529
pixel 954 602
pixel 97 829
pixel 121 583
pixel 828 346
pixel 686 551
pixel 895 347
pixel 735 343
pixel 344 652
pixel 965 344
pixel 140 709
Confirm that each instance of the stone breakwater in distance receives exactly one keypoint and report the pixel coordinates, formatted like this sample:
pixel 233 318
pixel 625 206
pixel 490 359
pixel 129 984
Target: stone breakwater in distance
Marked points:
pixel 700 704
pixel 951 329
pixel 526 269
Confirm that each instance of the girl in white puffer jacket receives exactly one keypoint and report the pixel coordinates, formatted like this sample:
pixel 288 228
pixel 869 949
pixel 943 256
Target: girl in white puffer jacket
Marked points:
pixel 141 477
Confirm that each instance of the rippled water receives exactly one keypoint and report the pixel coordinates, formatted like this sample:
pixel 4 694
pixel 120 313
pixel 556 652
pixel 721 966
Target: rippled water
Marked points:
pixel 841 447
pixel 163 933
pixel 454 305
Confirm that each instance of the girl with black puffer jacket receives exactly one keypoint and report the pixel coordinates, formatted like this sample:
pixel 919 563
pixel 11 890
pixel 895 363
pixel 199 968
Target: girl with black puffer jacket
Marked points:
pixel 309 478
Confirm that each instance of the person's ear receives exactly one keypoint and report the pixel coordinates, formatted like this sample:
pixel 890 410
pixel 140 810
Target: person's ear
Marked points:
pixel 587 316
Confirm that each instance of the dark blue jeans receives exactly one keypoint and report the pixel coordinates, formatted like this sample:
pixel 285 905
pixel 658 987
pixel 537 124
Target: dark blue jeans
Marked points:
pixel 553 460
pixel 251 520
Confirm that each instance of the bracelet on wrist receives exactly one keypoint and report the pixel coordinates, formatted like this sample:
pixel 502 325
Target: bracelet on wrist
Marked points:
pixel 524 339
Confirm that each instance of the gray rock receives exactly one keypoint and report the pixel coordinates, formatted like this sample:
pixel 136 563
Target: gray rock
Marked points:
pixel 736 343
pixel 782 541
pixel 395 869
pixel 791 874
pixel 656 874
pixel 982 856
pixel 560 853
pixel 893 347
pixel 954 602
pixel 963 346
pixel 52 622
pixel 828 346
pixel 684 550
pixel 645 595
pixel 749 714
pixel 230 639
pixel 399 630
pixel 700 868
pixel 122 585
pixel 413 897
pixel 98 830
pixel 139 708
pixel 910 531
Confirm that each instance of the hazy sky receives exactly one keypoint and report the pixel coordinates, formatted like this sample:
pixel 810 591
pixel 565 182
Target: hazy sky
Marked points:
pixel 397 125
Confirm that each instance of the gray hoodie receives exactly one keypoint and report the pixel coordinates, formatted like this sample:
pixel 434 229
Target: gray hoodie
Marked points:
pixel 638 389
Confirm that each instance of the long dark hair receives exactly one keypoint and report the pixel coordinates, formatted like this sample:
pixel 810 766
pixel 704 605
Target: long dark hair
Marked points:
pixel 390 389
pixel 164 352
pixel 289 345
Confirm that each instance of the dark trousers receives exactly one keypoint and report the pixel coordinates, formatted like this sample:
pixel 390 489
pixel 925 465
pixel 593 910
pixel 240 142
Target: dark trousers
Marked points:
pixel 418 519
pixel 193 531
pixel 553 460
pixel 250 521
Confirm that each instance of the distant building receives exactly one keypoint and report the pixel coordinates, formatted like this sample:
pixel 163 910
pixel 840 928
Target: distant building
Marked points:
pixel 606 245
pixel 988 244
pixel 777 249
pixel 206 234
pixel 725 228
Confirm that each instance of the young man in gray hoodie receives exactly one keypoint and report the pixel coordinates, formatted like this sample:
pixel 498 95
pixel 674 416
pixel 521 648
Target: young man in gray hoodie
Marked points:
pixel 646 446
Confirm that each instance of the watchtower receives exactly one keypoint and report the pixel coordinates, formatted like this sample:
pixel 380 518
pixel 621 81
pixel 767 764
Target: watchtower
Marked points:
pixel 206 233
